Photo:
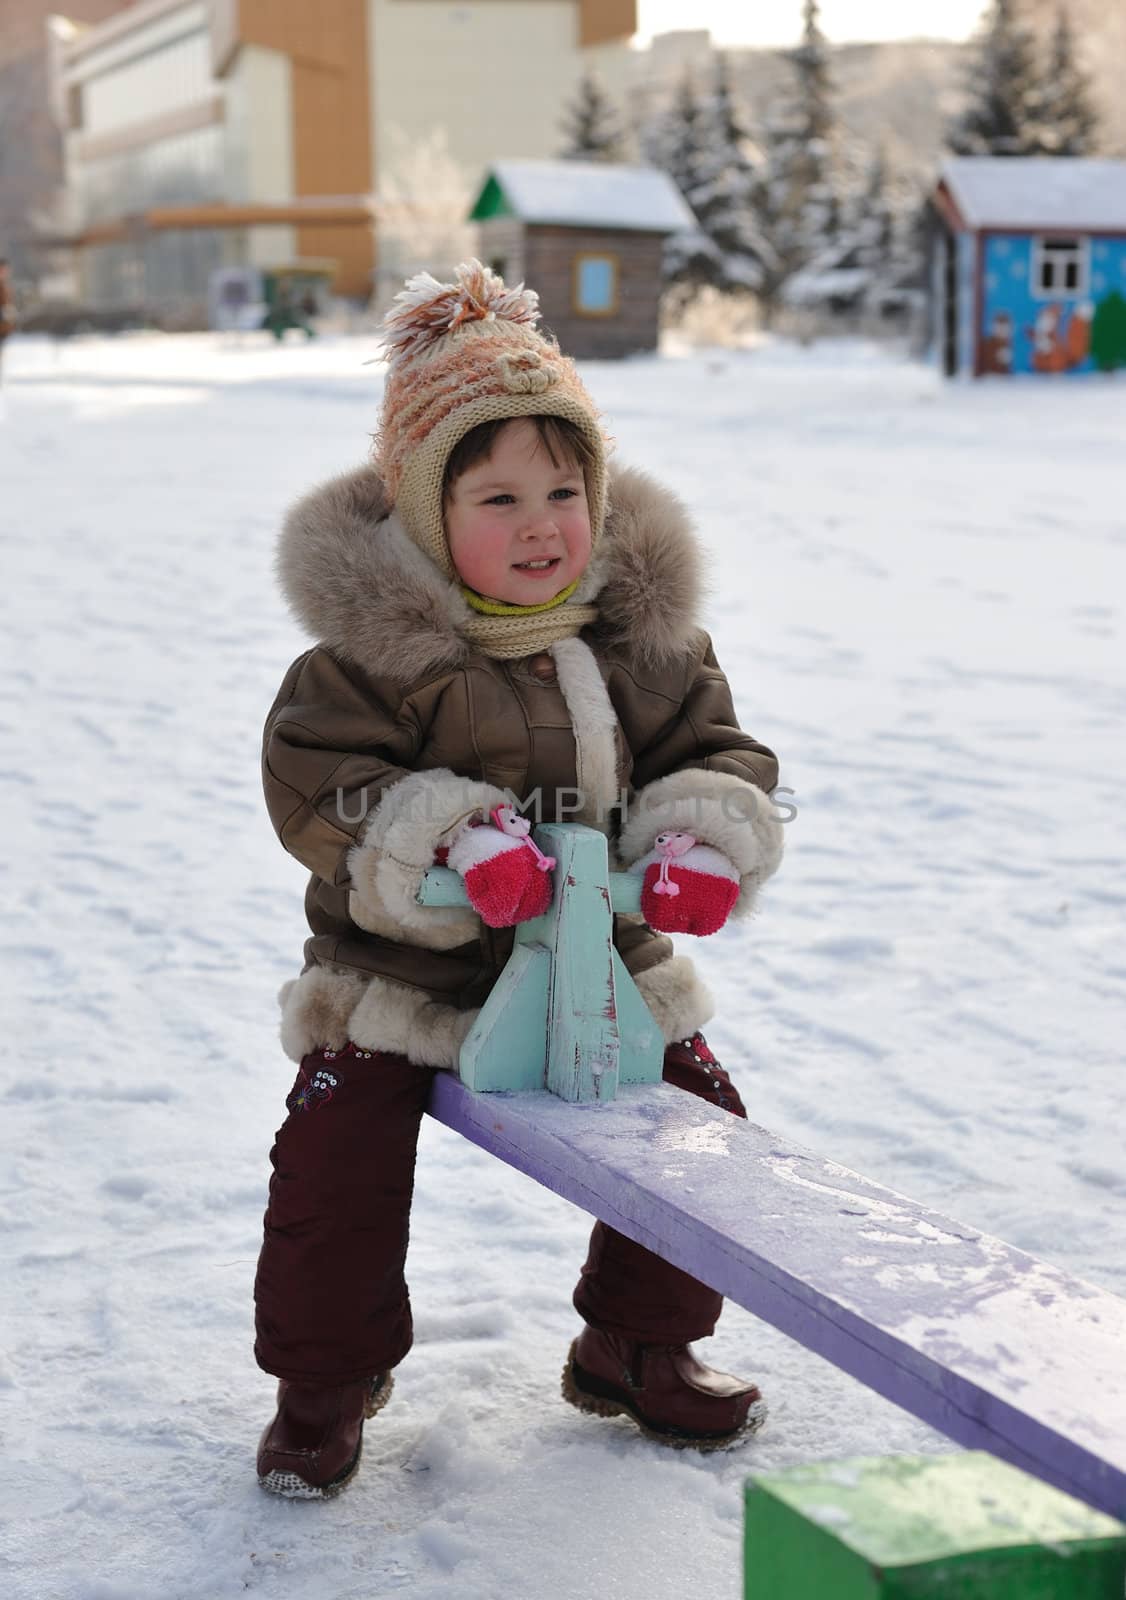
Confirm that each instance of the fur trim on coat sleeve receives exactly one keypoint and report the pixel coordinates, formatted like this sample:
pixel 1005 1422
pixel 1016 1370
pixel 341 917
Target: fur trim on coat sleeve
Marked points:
pixel 725 812
pixel 677 997
pixel 414 818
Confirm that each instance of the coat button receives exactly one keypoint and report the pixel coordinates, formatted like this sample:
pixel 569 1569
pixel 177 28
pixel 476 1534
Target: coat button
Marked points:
pixel 543 668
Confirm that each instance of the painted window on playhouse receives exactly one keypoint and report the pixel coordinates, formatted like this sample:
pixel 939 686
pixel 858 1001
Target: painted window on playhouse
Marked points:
pixel 1061 266
pixel 596 285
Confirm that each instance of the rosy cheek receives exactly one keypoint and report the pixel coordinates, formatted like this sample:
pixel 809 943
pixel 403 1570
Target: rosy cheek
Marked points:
pixel 480 554
pixel 577 534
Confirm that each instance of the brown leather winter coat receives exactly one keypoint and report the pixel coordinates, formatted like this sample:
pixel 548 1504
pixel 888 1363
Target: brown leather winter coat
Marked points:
pixel 393 729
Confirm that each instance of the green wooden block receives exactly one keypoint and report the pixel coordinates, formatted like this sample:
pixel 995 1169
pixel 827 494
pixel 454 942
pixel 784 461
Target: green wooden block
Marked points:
pixel 962 1527
pixel 642 1058
pixel 565 1014
pixel 506 1048
pixel 584 1041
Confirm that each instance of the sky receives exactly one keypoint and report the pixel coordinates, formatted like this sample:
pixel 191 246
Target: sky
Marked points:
pixel 778 22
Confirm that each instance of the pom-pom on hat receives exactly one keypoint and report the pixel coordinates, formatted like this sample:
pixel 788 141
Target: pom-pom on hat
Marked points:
pixel 460 354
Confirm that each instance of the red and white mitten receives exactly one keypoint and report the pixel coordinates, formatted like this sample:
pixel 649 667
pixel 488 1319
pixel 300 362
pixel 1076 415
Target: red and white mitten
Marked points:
pixel 507 878
pixel 688 887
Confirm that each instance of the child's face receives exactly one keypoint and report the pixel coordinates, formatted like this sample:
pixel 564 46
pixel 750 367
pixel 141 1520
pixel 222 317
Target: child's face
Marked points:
pixel 516 508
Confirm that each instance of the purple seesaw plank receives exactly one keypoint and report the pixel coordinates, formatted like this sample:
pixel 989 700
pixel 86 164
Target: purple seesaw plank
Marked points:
pixel 998 1350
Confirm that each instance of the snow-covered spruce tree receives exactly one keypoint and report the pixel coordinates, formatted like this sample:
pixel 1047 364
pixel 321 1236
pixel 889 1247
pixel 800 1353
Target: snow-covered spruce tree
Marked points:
pixel 871 267
pixel 1069 122
pixel 869 221
pixel 778 198
pixel 592 129
pixel 796 199
pixel 678 143
pixel 819 215
pixel 703 144
pixel 914 222
pixel 815 83
pixel 890 236
pixel 723 193
pixel 675 140
pixel 1003 116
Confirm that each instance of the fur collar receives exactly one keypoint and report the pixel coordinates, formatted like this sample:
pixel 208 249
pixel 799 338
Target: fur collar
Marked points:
pixel 355 581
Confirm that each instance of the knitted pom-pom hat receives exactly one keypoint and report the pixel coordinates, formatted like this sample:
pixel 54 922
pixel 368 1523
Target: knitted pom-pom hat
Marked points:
pixel 461 354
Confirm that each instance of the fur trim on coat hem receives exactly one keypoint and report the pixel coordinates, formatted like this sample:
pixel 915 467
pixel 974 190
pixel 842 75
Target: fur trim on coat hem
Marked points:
pixel 726 812
pixel 326 1007
pixel 316 1010
pixel 393 1017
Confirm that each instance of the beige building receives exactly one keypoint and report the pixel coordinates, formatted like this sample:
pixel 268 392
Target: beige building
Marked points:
pixel 205 133
pixel 30 146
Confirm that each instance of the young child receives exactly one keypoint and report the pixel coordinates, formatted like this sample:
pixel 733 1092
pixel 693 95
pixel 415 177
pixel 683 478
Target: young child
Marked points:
pixel 501 620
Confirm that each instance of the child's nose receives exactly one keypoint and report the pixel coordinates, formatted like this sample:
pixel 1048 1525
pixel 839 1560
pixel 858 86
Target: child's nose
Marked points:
pixel 537 526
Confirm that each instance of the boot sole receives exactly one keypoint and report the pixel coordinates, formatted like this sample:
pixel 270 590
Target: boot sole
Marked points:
pixel 293 1487
pixel 600 1399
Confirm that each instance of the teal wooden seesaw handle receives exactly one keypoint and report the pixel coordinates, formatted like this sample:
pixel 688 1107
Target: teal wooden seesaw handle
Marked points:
pixel 564 1015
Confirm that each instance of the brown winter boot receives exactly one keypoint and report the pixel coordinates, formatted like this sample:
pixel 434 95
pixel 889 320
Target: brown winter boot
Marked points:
pixel 671 1396
pixel 312 1447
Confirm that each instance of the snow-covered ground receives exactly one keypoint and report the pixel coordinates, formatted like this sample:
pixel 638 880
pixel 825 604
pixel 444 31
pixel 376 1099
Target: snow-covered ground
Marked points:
pixel 918 594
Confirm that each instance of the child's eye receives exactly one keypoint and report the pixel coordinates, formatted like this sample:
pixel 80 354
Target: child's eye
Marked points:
pixel 501 500
pixel 568 494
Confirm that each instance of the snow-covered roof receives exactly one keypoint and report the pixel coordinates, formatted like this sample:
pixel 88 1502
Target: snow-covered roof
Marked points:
pixel 1038 191
pixel 588 194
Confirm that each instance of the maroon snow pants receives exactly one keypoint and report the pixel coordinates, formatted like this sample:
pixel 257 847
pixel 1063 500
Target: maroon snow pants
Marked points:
pixel 330 1296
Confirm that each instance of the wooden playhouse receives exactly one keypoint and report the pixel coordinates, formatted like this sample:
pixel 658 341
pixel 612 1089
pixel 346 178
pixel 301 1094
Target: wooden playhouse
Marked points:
pixel 1028 265
pixel 589 237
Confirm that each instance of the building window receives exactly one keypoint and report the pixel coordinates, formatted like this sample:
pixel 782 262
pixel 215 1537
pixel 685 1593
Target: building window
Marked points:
pixel 1061 266
pixel 596 285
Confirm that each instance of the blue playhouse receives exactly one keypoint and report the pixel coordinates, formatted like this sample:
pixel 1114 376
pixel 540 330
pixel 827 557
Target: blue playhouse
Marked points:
pixel 1028 266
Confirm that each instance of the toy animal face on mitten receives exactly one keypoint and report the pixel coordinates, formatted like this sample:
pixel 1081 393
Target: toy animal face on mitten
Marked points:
pixel 688 887
pixel 507 876
pixel 510 822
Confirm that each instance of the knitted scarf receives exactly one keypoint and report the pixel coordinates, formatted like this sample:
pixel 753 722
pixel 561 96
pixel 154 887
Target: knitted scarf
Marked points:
pixel 507 632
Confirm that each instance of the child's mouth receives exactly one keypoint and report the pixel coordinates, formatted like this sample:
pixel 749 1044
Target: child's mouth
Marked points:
pixel 538 568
